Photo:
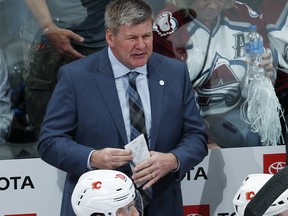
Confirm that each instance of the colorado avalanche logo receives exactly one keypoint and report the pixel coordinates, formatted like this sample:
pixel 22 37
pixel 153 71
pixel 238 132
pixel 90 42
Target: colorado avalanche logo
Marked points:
pixel 221 86
pixel 165 24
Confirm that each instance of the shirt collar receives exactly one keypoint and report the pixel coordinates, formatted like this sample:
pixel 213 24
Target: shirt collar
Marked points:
pixel 119 69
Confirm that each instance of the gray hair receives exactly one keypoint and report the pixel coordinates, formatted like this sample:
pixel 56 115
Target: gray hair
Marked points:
pixel 126 12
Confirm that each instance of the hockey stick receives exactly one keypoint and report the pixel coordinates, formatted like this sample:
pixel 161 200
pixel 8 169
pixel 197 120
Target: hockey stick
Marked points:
pixel 270 191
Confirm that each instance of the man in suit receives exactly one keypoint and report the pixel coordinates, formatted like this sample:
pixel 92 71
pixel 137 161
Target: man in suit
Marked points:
pixel 87 123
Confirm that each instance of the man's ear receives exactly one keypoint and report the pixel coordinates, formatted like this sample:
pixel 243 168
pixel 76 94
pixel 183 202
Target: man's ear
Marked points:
pixel 109 37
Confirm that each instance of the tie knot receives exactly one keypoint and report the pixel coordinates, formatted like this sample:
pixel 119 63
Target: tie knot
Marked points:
pixel 132 75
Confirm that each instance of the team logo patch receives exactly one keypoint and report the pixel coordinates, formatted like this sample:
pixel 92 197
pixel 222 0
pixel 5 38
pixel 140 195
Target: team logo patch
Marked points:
pixel 165 24
pixel 96 185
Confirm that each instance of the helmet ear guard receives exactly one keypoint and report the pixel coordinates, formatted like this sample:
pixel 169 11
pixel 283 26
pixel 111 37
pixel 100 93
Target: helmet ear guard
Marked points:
pixel 103 192
pixel 248 189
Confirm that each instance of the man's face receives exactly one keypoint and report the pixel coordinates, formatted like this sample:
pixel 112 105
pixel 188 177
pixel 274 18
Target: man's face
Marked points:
pixel 131 211
pixel 132 45
pixel 207 10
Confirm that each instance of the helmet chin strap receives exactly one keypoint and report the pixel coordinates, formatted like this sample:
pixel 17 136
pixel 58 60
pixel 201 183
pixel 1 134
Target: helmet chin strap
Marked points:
pixel 270 191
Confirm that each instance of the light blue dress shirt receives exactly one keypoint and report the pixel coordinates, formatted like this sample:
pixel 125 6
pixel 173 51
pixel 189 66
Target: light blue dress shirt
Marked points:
pixel 122 83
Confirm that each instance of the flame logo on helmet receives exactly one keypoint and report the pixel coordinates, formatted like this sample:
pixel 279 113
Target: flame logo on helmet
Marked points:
pixel 250 195
pixel 96 185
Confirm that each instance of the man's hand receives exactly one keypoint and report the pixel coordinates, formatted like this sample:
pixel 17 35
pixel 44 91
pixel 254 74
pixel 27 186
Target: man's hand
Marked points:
pixel 110 158
pixel 267 65
pixel 60 40
pixel 154 168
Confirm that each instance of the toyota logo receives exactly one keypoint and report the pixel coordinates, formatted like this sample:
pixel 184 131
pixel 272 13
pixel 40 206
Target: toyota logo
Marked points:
pixel 276 167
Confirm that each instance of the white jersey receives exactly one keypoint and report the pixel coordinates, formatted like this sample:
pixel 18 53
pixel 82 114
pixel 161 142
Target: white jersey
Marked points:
pixel 216 58
pixel 276 22
pixel 219 55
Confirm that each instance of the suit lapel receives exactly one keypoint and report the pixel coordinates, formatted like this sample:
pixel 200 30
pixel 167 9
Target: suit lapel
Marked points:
pixel 106 83
pixel 156 88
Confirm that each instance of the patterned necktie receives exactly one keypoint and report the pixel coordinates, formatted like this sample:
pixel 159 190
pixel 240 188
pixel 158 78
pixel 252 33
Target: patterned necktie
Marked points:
pixel 137 123
pixel 137 118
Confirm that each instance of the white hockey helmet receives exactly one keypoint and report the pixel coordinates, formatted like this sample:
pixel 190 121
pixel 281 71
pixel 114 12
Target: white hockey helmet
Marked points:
pixel 249 187
pixel 104 192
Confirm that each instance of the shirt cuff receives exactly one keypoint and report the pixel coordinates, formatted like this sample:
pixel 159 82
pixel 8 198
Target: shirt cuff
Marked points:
pixel 88 161
pixel 178 167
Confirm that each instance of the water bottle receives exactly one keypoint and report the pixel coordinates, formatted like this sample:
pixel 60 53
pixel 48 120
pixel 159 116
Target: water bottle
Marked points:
pixel 253 51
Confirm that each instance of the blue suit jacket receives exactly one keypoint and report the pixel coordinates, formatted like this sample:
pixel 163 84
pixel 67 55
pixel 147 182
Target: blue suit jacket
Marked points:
pixel 84 113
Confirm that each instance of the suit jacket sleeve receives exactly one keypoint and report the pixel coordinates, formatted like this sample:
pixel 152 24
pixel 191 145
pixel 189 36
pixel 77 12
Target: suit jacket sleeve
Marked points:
pixel 181 128
pixel 192 147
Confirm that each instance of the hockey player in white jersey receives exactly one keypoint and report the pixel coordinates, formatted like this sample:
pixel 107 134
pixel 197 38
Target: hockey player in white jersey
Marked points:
pixel 209 36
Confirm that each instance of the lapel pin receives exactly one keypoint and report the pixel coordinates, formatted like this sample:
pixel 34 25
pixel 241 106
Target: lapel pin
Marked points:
pixel 161 82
